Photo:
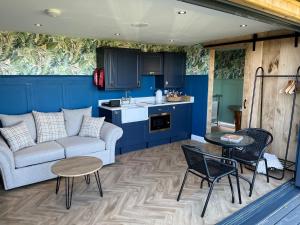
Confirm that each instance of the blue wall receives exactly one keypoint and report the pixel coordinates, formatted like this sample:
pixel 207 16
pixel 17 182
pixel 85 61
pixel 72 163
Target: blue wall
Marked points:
pixel 21 94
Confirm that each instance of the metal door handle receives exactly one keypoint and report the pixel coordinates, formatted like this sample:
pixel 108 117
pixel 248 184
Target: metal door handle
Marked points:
pixel 245 104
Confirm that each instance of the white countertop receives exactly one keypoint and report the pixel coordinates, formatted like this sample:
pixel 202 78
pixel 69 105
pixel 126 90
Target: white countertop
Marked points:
pixel 142 102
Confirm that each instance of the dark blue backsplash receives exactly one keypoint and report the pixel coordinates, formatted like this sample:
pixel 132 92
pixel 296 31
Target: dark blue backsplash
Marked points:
pixel 21 94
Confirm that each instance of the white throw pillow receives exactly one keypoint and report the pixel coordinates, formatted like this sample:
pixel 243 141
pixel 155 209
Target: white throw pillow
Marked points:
pixel 73 119
pixel 91 126
pixel 49 126
pixel 17 136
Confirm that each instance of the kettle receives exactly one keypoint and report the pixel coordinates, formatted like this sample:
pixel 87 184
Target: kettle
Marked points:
pixel 158 96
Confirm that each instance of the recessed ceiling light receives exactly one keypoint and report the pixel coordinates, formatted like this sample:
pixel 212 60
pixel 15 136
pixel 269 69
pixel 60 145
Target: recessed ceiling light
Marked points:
pixel 38 25
pixel 181 12
pixel 117 34
pixel 171 40
pixel 243 25
pixel 139 25
pixel 53 12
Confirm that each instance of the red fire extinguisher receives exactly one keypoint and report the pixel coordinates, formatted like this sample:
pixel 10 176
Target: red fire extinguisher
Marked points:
pixel 99 78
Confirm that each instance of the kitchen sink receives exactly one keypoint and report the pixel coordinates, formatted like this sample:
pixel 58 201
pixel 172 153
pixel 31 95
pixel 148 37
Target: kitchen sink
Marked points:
pixel 133 113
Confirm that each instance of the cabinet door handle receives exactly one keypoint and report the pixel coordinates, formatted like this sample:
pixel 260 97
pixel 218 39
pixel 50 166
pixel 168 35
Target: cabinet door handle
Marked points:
pixel 139 83
pixel 159 109
pixel 167 82
pixel 245 104
pixel 174 107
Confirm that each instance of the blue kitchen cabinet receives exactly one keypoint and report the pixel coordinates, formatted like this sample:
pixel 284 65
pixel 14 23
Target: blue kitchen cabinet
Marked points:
pixel 174 69
pixel 181 120
pixel 121 67
pixel 133 136
pixel 133 133
pixel 138 135
pixel 151 63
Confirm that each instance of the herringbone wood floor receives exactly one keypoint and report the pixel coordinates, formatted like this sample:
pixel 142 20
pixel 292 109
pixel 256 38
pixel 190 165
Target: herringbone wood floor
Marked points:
pixel 141 188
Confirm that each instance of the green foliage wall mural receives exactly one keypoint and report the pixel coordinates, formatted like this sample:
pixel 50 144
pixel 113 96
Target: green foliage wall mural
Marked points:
pixel 40 54
pixel 229 64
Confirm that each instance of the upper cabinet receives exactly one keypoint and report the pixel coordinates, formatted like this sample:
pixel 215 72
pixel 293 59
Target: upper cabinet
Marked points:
pixel 174 69
pixel 151 63
pixel 121 67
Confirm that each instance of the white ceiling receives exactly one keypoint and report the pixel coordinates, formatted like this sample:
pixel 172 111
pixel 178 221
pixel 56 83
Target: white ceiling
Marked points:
pixel 103 18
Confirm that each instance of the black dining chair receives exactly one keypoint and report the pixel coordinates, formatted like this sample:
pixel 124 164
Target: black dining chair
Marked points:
pixel 251 155
pixel 210 168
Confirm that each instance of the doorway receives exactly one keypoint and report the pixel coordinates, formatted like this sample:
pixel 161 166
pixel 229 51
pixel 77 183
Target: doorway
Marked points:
pixel 228 90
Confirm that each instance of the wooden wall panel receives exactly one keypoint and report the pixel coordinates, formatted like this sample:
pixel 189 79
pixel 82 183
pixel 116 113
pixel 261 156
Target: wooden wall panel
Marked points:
pixel 276 57
pixel 210 88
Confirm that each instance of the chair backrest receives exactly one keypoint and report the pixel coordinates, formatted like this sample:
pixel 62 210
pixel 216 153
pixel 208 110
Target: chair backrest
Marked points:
pixel 262 139
pixel 195 159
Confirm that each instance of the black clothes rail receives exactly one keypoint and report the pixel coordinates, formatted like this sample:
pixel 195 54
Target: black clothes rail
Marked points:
pixel 259 73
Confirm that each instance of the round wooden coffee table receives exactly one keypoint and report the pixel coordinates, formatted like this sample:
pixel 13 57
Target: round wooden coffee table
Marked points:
pixel 76 167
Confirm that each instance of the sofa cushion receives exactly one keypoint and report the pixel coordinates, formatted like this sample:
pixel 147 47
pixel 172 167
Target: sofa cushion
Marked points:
pixel 17 136
pixel 49 126
pixel 77 146
pixel 73 119
pixel 10 120
pixel 40 153
pixel 91 126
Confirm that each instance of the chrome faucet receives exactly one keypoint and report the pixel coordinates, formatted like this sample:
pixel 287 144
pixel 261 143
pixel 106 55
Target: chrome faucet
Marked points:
pixel 126 99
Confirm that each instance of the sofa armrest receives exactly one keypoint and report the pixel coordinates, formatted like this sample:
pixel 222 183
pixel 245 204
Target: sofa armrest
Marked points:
pixel 6 155
pixel 110 133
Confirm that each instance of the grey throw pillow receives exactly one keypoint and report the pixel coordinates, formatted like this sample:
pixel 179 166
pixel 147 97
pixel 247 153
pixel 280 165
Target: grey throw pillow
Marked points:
pixel 10 120
pixel 91 126
pixel 73 119
pixel 49 126
pixel 17 136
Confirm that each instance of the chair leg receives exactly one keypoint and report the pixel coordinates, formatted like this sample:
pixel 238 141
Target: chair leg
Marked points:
pixel 253 181
pixel 201 184
pixel 207 198
pixel 231 188
pixel 241 166
pixel 183 182
pixel 238 186
pixel 267 171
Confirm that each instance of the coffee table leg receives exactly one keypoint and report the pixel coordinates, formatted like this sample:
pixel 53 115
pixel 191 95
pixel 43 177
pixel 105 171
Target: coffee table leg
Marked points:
pixel 69 191
pixel 87 179
pixel 98 183
pixel 57 184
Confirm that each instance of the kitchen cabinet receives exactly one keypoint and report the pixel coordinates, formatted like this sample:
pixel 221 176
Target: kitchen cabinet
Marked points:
pixel 121 67
pixel 134 134
pixel 174 69
pixel 181 120
pixel 151 63
pixel 137 135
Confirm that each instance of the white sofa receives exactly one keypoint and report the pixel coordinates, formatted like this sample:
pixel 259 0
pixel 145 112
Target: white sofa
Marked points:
pixel 33 164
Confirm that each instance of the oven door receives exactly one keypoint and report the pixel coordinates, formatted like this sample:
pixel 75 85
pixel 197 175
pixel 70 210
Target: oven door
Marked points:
pixel 159 122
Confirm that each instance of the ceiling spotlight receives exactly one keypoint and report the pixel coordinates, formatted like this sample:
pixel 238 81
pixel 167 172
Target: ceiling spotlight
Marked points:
pixel 243 25
pixel 171 40
pixel 181 12
pixel 117 34
pixel 139 25
pixel 38 25
pixel 53 12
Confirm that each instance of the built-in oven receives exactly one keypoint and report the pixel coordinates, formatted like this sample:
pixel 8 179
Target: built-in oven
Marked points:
pixel 159 122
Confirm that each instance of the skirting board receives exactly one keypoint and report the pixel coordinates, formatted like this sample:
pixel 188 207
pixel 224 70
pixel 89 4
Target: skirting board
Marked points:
pixel 197 138
pixel 224 124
